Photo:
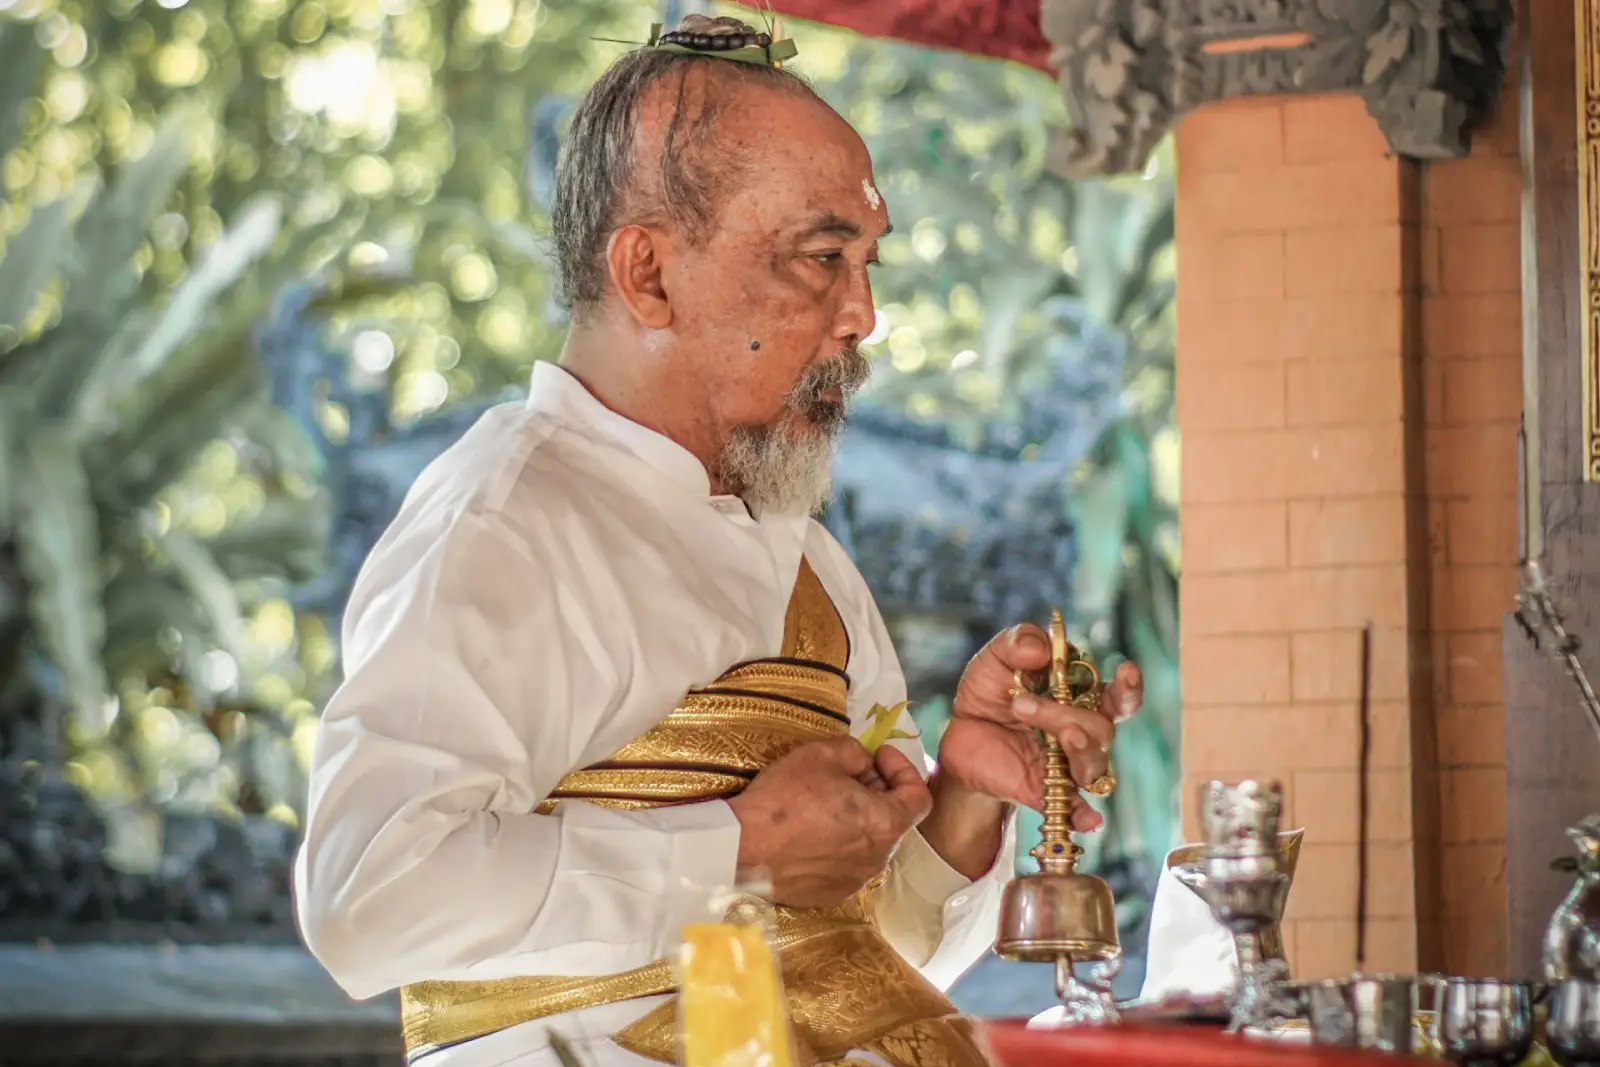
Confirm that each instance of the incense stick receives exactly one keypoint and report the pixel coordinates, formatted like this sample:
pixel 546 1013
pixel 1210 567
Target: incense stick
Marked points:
pixel 1363 761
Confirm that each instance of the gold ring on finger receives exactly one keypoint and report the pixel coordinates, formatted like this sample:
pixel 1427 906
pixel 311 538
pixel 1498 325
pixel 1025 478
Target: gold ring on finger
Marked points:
pixel 1103 785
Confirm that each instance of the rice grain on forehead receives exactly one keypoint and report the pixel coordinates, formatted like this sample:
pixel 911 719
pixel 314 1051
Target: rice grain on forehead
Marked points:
pixel 610 172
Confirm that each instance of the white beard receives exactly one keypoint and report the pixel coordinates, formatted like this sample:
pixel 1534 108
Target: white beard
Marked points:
pixel 781 472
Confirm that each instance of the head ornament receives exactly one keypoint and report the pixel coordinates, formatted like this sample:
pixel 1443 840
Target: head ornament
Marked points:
pixel 724 39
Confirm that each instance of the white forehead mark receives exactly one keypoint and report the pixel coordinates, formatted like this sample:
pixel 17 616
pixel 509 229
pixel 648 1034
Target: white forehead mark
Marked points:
pixel 873 199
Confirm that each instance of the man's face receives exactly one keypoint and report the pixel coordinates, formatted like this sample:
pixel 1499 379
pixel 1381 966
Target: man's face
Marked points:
pixel 771 310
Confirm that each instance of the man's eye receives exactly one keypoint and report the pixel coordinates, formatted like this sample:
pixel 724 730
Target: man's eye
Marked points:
pixel 827 257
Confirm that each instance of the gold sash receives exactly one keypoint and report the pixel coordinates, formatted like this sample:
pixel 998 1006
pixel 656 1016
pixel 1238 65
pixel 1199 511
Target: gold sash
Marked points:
pixel 847 987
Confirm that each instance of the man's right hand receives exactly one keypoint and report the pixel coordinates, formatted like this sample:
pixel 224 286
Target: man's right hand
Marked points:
pixel 822 821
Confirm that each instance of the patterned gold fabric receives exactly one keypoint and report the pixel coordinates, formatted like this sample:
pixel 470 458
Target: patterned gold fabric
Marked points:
pixel 847 987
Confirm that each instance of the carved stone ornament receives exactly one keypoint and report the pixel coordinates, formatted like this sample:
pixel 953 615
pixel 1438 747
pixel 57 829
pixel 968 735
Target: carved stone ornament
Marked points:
pixel 1588 49
pixel 1428 69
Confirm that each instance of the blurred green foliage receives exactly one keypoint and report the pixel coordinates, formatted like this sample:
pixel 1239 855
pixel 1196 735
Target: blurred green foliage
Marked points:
pixel 414 137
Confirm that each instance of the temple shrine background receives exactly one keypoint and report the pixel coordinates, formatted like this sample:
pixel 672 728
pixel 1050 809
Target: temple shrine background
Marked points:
pixel 1381 385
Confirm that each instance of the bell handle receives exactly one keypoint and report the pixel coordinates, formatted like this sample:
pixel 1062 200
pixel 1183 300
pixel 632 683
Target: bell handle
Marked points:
pixel 1056 852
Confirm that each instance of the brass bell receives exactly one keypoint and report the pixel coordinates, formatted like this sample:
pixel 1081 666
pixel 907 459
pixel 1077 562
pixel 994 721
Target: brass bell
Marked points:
pixel 1059 915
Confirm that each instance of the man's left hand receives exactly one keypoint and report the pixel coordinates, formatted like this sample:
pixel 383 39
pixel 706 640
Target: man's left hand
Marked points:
pixel 989 745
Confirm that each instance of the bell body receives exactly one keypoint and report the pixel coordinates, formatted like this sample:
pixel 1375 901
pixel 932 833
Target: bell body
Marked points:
pixel 1047 917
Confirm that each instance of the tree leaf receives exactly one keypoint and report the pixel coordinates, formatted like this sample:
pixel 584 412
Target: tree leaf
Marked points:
pixel 100 274
pixel 200 412
pixel 1006 300
pixel 222 265
pixel 59 551
pixel 292 449
pixel 505 235
pixel 211 589
pixel 8 421
pixel 1099 511
pixel 116 221
pixel 159 425
pixel 288 539
pixel 1157 237
pixel 19 74
pixel 140 604
pixel 1143 805
pixel 1107 228
pixel 32 258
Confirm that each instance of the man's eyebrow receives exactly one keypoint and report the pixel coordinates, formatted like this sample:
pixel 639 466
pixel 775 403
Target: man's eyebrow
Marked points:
pixel 833 225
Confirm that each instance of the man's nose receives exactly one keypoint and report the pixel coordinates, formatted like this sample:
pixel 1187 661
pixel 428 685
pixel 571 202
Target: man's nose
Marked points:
pixel 855 318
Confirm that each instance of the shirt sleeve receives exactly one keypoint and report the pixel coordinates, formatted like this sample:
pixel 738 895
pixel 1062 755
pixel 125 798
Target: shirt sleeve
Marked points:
pixel 933 915
pixel 474 682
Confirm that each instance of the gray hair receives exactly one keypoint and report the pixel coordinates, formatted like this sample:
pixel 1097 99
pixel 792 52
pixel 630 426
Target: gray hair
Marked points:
pixel 596 189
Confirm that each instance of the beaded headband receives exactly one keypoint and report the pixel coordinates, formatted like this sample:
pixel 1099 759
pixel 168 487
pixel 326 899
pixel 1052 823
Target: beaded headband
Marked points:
pixel 762 49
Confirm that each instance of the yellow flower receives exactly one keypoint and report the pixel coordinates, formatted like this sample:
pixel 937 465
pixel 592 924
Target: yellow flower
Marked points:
pixel 881 728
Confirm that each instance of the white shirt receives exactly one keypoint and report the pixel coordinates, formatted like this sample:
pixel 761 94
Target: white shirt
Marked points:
pixel 553 585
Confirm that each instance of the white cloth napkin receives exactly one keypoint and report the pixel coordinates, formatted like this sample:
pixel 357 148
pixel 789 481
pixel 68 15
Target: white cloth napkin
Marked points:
pixel 1190 952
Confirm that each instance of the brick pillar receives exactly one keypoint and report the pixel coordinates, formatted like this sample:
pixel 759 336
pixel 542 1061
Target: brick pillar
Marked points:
pixel 1341 423
pixel 1472 373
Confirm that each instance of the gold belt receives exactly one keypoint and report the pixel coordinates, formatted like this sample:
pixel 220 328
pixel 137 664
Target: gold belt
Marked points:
pixel 847 988
pixel 437 1014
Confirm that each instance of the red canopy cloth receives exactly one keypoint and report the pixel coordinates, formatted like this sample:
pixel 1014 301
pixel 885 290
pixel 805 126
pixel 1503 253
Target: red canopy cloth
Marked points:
pixel 1004 29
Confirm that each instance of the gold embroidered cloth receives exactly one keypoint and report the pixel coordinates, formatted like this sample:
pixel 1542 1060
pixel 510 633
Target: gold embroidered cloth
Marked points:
pixel 847 987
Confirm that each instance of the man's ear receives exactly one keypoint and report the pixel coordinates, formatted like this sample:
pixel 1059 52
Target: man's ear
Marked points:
pixel 634 258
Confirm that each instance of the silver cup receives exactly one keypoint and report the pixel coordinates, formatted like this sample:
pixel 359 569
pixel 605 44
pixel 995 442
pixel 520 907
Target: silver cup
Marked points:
pixel 1241 820
pixel 1364 1011
pixel 1244 883
pixel 1572 1029
pixel 1245 886
pixel 1484 1022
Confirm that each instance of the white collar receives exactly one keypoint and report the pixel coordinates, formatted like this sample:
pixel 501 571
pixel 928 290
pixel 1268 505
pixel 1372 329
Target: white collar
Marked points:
pixel 554 391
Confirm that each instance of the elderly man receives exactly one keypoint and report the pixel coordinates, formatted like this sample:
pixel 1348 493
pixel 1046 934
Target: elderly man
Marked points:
pixel 604 651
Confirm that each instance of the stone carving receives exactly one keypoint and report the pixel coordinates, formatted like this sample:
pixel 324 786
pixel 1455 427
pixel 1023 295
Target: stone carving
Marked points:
pixel 218 880
pixel 1427 69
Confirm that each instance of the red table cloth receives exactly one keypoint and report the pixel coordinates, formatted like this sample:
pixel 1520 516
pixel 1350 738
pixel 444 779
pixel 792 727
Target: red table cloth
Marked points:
pixel 1012 1044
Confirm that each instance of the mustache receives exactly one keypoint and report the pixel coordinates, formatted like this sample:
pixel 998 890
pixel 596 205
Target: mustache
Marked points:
pixel 846 372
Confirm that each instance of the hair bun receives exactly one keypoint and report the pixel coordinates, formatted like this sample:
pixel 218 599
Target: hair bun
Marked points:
pixel 709 26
